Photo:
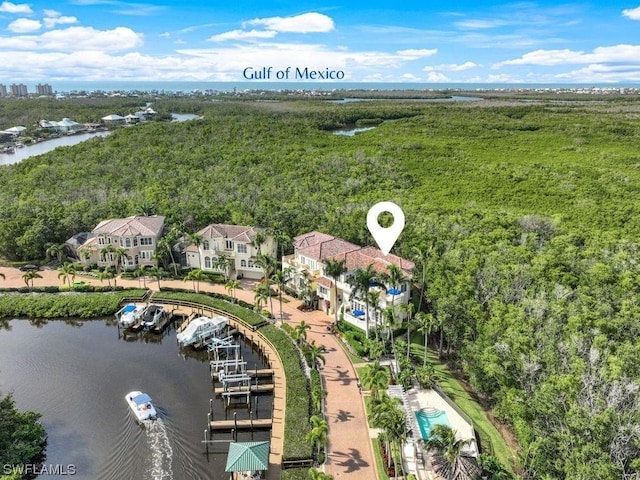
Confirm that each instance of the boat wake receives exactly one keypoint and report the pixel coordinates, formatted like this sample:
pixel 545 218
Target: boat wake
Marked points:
pixel 160 450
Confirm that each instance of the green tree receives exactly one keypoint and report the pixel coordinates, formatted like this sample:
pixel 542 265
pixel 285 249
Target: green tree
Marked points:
pixel 361 281
pixel 23 437
pixel 196 276
pixel 314 354
pixel 318 433
pixel 334 268
pixel 268 264
pixel 315 474
pixel 375 378
pixel 158 273
pixel 259 239
pixel 280 278
pixel 121 256
pixel 409 309
pixel 56 250
pixel 107 253
pixel 261 296
pixel 196 240
pixel 449 458
pixel 231 286
pixel 29 277
pixel 223 263
pixel 424 324
pixel 67 273
pixel 107 275
pixel 301 332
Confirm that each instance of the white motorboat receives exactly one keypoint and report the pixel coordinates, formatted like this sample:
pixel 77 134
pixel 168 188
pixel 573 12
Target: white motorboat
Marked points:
pixel 202 328
pixel 141 406
pixel 151 316
pixel 129 315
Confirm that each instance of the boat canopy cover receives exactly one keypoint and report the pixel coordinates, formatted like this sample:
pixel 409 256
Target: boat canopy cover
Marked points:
pixel 129 308
pixel 142 398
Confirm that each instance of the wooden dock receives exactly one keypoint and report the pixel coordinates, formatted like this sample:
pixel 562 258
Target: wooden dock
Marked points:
pixel 260 373
pixel 256 424
pixel 261 388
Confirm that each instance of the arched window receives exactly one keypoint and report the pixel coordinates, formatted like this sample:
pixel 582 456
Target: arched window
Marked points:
pixel 243 263
pixel 207 262
pixel 205 245
pixel 250 263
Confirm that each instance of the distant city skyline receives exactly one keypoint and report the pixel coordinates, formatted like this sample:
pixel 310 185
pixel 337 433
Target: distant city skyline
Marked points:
pixel 539 42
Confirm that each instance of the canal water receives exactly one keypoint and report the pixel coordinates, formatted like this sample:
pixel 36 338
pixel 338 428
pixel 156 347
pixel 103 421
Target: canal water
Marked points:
pixel 46 146
pixel 77 375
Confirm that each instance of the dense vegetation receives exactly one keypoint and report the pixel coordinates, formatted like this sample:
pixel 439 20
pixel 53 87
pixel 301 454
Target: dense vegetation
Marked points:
pixel 525 217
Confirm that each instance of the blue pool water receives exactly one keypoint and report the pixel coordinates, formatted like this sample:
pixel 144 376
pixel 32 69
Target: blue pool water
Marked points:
pixel 427 420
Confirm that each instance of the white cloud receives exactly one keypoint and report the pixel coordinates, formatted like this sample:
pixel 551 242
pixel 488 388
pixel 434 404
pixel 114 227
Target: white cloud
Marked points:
pixel 8 7
pixel 305 23
pixel 451 67
pixel 479 24
pixel 437 77
pixel 243 35
pixel 415 53
pixel 52 21
pixel 74 39
pixel 615 53
pixel 24 25
pixel 632 13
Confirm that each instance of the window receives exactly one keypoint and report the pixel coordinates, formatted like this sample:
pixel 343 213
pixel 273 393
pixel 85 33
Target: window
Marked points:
pixel 146 254
pixel 101 241
pixel 146 241
pixel 243 263
pixel 135 241
pixel 322 290
pixel 242 248
pixel 228 245
pixel 207 262
pixel 250 263
pixel 205 245
pixel 127 242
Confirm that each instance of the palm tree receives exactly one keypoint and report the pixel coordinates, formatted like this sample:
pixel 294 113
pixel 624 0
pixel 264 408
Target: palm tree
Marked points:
pixel 196 276
pixel 196 239
pixel 258 240
pixel 389 317
pixel 409 308
pixel 361 281
pixel 158 273
pixel 121 255
pixel 261 296
pixel 56 250
pixel 449 460
pixel 146 209
pixel 106 253
pixel 105 275
pixel 268 264
pixel 29 277
pixel 394 278
pixel 231 287
pixel 425 323
pixel 315 474
pixel 165 246
pixel 223 263
pixel 280 278
pixel 314 354
pixel 67 272
pixel 334 269
pixel 319 431
pixel 421 257
pixel 376 378
pixel 301 331
pixel 281 237
pixel 373 298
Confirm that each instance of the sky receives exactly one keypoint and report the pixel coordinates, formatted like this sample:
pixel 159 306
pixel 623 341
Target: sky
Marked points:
pixel 334 40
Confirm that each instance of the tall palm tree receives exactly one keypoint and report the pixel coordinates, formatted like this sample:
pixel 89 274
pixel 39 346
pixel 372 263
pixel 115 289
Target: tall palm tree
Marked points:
pixel 196 276
pixel 158 273
pixel 268 265
pixel 425 323
pixel 319 432
pixel 105 275
pixel 223 263
pixel 106 253
pixel 376 378
pixel 231 287
pixel 314 354
pixel 301 331
pixel 196 239
pixel 166 243
pixel 449 460
pixel 394 278
pixel 121 255
pixel 281 237
pixel 56 250
pixel 67 272
pixel 261 296
pixel 258 240
pixel 29 277
pixel 280 278
pixel 373 299
pixel 389 320
pixel 409 309
pixel 421 257
pixel 334 269
pixel 361 281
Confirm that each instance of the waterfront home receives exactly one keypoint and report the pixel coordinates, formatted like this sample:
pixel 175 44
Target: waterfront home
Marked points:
pixel 66 125
pixel 137 235
pixel 307 271
pixel 113 119
pixel 238 245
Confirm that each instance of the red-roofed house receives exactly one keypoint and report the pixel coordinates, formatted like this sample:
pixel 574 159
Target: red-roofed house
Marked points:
pixel 306 265
pixel 235 242
pixel 139 235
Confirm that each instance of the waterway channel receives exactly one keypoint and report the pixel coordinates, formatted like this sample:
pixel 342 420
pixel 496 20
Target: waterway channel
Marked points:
pixel 76 374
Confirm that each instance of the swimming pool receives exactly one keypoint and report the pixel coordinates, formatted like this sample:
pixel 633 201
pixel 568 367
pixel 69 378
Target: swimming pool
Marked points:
pixel 428 418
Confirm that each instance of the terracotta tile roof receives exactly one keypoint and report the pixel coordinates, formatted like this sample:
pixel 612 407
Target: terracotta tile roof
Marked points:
pixel 373 256
pixel 233 232
pixel 311 238
pixel 327 249
pixel 131 226
pixel 325 282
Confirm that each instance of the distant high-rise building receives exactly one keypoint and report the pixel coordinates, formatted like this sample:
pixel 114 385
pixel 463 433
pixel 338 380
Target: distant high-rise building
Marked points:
pixel 19 90
pixel 3 90
pixel 44 89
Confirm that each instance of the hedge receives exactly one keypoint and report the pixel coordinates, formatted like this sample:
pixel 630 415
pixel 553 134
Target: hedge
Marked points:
pixel 71 305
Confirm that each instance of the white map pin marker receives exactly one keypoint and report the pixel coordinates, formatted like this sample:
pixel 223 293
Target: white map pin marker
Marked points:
pixel 385 237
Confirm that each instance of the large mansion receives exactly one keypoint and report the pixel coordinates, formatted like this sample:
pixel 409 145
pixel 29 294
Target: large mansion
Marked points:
pixel 137 235
pixel 234 243
pixel 307 267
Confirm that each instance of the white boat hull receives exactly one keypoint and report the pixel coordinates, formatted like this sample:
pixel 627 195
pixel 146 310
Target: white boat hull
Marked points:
pixel 141 406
